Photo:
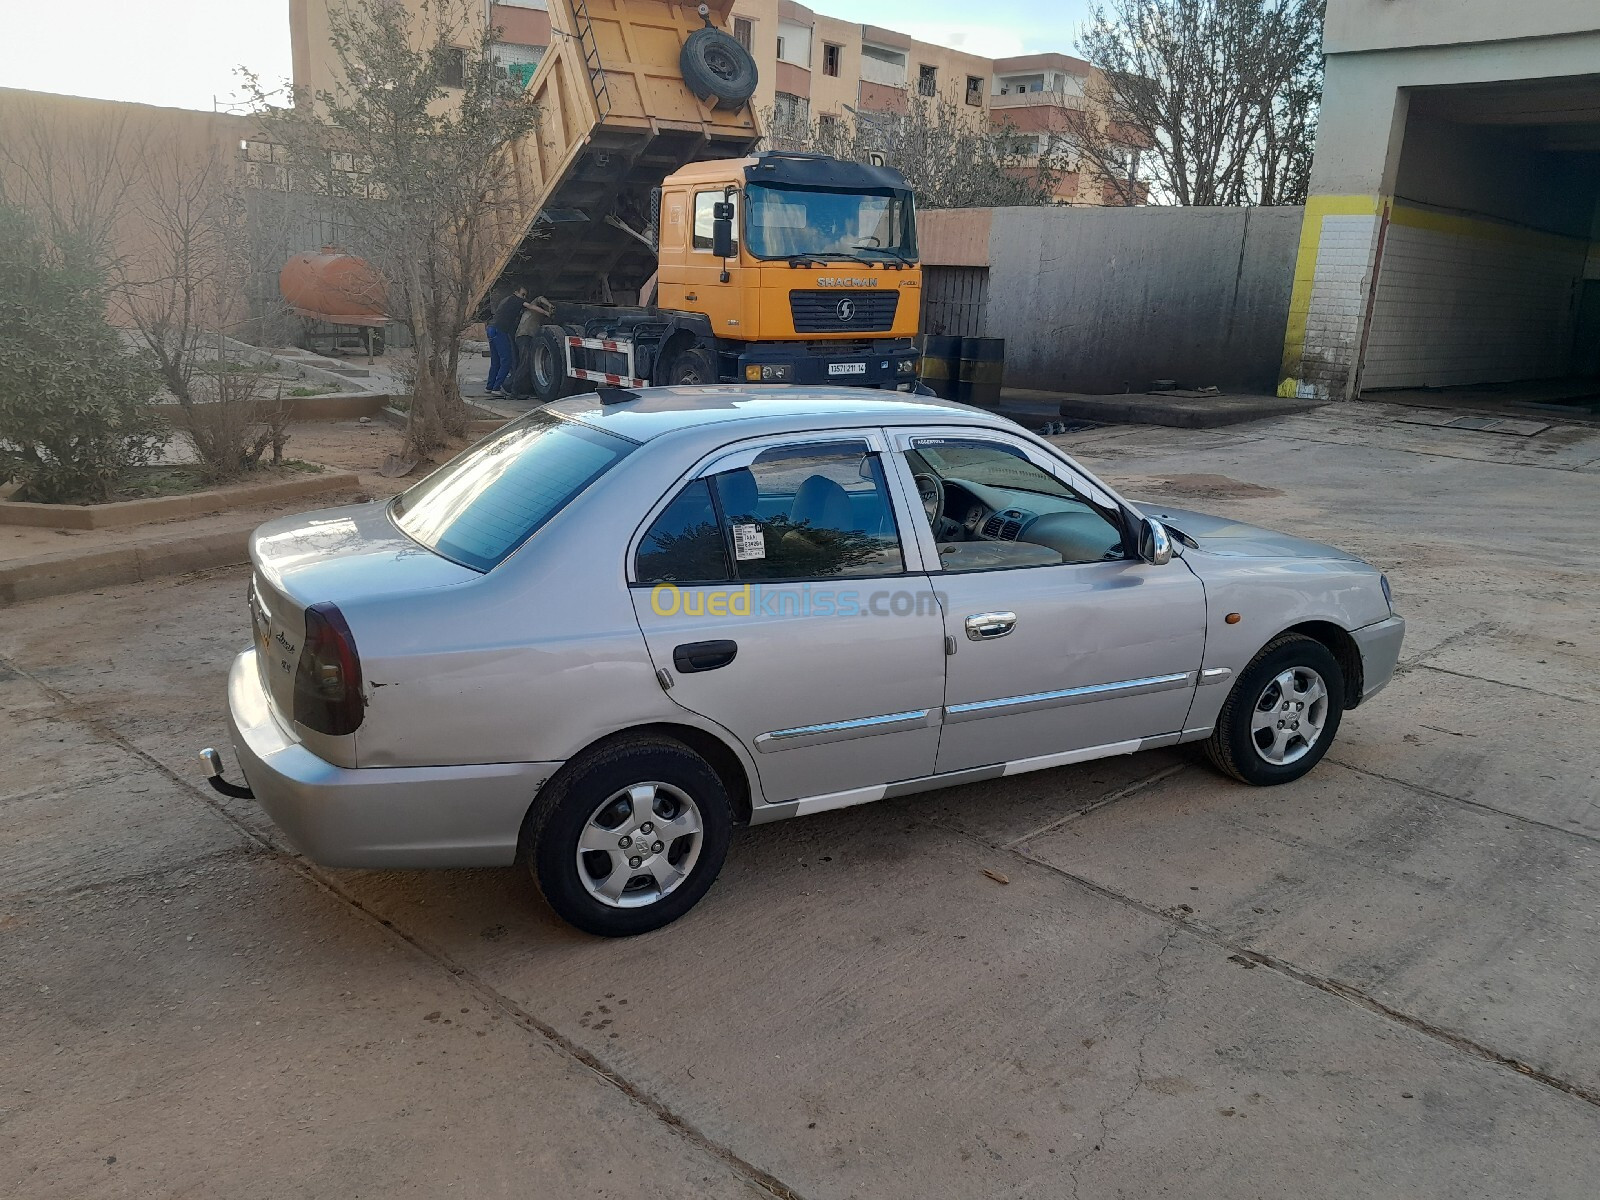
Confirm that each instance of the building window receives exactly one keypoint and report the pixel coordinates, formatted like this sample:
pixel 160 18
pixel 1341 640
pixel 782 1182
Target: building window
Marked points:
pixel 927 80
pixel 827 124
pixel 830 59
pixel 791 110
pixel 453 73
pixel 742 32
pixel 974 90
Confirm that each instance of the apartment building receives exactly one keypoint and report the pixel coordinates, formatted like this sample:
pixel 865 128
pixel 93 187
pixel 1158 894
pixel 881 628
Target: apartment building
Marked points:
pixel 524 33
pixel 1452 232
pixel 818 68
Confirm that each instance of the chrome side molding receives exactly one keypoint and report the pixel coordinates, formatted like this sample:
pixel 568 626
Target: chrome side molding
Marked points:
pixel 841 731
pixel 1007 705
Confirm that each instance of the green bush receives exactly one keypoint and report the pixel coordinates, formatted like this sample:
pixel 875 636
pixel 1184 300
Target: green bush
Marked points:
pixel 73 415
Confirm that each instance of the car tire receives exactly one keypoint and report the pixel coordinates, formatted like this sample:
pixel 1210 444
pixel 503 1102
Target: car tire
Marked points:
pixel 715 66
pixel 649 784
pixel 1261 733
pixel 692 367
pixel 547 373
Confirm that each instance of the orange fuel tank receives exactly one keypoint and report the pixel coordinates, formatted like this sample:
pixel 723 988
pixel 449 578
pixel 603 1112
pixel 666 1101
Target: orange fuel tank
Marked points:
pixel 335 287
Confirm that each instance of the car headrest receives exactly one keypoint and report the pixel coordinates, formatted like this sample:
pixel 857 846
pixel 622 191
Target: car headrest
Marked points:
pixel 738 492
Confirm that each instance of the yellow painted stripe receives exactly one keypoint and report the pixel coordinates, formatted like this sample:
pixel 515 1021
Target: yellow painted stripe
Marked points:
pixel 1457 225
pixel 1318 208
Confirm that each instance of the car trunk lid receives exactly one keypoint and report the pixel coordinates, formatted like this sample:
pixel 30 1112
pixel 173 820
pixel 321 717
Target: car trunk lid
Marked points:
pixel 343 556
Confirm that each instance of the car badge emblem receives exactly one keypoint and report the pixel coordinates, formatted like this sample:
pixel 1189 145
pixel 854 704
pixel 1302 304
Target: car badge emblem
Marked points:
pixel 846 309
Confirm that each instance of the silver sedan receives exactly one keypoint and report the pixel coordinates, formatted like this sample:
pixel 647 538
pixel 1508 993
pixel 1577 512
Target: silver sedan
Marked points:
pixel 619 626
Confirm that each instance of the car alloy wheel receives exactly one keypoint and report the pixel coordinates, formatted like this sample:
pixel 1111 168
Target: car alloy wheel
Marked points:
pixel 1282 715
pixel 1289 715
pixel 629 835
pixel 639 845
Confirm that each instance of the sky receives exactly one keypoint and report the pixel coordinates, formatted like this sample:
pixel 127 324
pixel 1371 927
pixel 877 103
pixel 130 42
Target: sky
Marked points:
pixel 183 53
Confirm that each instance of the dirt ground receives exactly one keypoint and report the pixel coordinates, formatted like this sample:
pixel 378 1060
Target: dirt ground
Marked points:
pixel 1381 981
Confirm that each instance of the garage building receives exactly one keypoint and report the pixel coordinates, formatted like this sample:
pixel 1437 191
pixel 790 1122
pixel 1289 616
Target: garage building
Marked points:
pixel 1452 234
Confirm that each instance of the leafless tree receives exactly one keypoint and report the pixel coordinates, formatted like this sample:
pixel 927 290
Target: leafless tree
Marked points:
pixel 951 157
pixel 73 173
pixel 1217 98
pixel 409 148
pixel 161 218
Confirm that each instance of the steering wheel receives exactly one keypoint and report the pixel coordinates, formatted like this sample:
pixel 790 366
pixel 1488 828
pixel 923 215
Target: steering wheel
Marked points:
pixel 930 488
pixel 870 238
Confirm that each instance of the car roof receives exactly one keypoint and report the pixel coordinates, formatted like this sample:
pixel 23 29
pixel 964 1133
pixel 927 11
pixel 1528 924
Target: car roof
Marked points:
pixel 664 410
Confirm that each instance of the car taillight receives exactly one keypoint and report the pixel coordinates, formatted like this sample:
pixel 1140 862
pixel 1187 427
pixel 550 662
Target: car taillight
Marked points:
pixel 327 680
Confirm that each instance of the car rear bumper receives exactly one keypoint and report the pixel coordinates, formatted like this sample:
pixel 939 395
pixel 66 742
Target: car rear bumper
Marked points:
pixel 1380 651
pixel 461 816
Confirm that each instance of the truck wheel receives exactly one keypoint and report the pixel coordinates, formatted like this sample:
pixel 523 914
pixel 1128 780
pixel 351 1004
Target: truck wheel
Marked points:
pixel 549 368
pixel 715 65
pixel 691 367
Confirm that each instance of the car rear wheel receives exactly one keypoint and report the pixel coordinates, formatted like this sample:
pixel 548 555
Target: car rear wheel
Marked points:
pixel 1282 715
pixel 628 838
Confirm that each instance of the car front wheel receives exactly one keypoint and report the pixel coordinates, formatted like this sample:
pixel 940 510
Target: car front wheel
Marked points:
pixel 1282 715
pixel 629 837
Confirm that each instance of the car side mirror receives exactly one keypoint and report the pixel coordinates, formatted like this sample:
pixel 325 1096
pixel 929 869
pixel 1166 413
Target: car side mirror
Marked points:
pixel 1155 547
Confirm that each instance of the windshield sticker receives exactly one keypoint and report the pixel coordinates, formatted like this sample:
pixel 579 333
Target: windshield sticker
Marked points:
pixel 748 543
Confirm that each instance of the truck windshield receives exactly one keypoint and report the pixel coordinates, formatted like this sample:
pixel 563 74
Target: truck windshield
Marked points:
pixel 792 222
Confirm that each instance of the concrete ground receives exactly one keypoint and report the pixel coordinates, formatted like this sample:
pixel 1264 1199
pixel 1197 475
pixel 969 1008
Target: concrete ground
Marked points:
pixel 1382 981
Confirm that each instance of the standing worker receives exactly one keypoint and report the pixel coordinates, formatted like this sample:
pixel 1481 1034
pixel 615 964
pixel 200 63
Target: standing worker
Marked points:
pixel 502 328
pixel 520 383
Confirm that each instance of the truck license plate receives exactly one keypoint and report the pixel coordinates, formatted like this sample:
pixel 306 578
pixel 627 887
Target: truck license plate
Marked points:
pixel 847 368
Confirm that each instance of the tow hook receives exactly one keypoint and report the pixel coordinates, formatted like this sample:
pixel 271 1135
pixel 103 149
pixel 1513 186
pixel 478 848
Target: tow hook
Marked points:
pixel 213 765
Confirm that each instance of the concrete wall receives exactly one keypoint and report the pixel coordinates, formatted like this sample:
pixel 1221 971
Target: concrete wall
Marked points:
pixel 1387 24
pixel 1099 300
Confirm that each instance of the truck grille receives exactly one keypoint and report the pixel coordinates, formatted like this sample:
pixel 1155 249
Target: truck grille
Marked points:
pixel 843 312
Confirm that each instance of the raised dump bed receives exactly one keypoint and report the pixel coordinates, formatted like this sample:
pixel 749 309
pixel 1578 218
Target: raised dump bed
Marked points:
pixel 617 117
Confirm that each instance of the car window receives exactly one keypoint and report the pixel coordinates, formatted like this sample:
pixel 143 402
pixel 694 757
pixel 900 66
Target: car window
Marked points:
pixel 989 507
pixel 813 511
pixel 488 500
pixel 685 544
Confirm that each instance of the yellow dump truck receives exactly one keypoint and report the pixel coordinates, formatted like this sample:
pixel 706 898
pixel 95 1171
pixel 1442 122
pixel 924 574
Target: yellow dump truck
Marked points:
pixel 673 251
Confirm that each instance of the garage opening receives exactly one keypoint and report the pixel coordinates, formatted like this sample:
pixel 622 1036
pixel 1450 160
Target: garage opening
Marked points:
pixel 1489 265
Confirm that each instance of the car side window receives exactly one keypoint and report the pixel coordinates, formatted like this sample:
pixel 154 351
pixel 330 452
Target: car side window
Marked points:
pixel 989 507
pixel 812 511
pixel 685 544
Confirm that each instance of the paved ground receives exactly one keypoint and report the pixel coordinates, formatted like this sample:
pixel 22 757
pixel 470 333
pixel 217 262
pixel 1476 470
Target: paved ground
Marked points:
pixel 1381 981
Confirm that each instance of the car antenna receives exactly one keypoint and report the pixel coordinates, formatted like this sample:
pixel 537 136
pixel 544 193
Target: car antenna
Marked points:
pixel 615 395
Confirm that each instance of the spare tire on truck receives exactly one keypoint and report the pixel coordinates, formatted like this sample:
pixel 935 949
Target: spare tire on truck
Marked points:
pixel 716 66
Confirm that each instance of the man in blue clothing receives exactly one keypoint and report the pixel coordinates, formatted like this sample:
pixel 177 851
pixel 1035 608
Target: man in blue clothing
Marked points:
pixel 502 328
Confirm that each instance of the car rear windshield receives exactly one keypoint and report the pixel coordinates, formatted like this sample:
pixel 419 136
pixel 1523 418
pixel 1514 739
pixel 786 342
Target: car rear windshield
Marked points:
pixel 480 506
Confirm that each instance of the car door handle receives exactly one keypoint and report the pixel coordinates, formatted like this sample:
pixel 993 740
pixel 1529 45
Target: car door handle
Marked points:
pixel 703 656
pixel 985 627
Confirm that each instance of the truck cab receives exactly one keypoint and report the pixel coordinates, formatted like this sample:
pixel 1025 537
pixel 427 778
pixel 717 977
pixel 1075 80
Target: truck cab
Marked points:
pixel 816 279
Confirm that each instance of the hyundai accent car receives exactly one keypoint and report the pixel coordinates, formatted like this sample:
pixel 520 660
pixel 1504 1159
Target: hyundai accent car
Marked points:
pixel 606 634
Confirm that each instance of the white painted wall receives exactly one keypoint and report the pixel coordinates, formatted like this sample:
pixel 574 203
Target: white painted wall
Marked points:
pixel 796 40
pixel 1471 305
pixel 1387 24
